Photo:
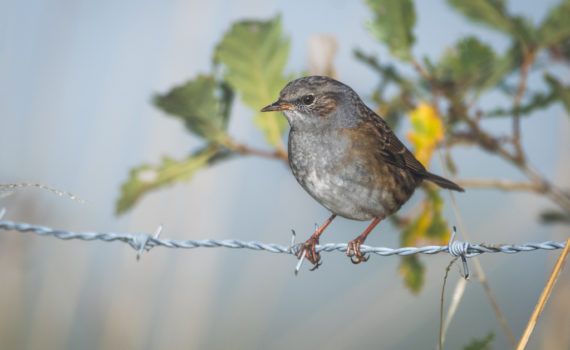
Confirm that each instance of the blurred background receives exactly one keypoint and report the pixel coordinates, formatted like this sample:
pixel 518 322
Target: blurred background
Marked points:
pixel 76 114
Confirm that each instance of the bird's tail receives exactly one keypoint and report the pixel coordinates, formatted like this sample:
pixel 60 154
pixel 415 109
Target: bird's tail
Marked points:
pixel 443 182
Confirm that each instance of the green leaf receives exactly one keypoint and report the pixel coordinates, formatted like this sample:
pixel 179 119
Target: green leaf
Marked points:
pixel 254 54
pixel 428 227
pixel 392 24
pixel 556 27
pixel 450 164
pixel 388 72
pixel 480 344
pixel 555 217
pixel 538 101
pixel 469 64
pixel 561 51
pixel 414 273
pixel 493 14
pixel 150 177
pixel 502 67
pixel 562 92
pixel 488 12
pixel 203 104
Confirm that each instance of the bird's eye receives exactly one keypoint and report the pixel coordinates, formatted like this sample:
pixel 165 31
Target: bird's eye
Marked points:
pixel 307 99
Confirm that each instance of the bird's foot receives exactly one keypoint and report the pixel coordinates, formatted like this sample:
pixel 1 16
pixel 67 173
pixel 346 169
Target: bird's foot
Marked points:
pixel 353 251
pixel 309 249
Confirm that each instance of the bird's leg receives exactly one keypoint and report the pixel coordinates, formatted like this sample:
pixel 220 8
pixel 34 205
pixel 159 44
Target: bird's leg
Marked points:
pixel 353 248
pixel 309 246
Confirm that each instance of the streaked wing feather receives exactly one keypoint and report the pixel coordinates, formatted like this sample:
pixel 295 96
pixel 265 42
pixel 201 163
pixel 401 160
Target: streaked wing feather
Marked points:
pixel 392 149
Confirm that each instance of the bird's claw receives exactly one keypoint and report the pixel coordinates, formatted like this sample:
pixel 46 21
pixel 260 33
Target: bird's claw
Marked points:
pixel 358 259
pixel 353 251
pixel 309 249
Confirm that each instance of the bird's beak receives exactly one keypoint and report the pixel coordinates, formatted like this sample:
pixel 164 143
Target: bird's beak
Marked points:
pixel 277 106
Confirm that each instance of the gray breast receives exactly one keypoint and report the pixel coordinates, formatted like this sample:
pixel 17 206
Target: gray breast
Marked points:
pixel 319 163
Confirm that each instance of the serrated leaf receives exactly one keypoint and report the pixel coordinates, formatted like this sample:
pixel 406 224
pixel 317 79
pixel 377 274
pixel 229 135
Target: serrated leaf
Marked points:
pixel 561 92
pixel 493 14
pixel 556 27
pixel 489 12
pixel 393 24
pixel 254 54
pixel 148 177
pixel 202 103
pixel 502 67
pixel 469 64
pixel 413 272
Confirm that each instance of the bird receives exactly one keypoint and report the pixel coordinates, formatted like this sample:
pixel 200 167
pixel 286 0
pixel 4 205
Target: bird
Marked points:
pixel 347 158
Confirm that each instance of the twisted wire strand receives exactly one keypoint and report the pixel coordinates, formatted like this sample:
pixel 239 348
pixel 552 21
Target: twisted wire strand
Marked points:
pixel 144 241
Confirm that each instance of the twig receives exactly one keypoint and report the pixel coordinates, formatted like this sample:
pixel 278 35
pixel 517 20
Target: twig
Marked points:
pixel 544 296
pixel 480 272
pixel 441 301
pixel 279 153
pixel 525 68
pixel 421 71
pixel 8 188
pixel 500 184
pixel 458 294
pixel 548 189
pixel 492 144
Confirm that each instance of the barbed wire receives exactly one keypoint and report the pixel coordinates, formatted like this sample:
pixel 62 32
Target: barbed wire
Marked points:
pixel 141 241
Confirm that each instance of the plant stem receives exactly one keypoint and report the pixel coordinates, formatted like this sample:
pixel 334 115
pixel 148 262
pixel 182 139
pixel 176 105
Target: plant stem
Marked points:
pixel 500 184
pixel 492 144
pixel 525 68
pixel 278 154
pixel 544 296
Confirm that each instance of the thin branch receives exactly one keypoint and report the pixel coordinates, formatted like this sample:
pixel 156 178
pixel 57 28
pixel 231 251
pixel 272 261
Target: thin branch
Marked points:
pixel 525 68
pixel 544 296
pixel 483 279
pixel 480 272
pixel 549 190
pixel 441 301
pixel 499 184
pixel 7 189
pixel 422 72
pixel 278 154
pixel 493 145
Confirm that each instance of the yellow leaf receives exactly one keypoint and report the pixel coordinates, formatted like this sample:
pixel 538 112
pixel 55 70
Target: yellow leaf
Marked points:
pixel 427 132
pixel 429 227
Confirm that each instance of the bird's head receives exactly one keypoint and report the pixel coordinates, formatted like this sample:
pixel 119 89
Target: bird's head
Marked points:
pixel 315 102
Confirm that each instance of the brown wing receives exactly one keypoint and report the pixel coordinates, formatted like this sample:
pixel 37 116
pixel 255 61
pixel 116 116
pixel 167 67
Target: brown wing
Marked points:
pixel 391 149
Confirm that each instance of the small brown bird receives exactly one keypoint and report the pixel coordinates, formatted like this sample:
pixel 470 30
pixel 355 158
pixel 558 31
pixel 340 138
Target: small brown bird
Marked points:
pixel 346 157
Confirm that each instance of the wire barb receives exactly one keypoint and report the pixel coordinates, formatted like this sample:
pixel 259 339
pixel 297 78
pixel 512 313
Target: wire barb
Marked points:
pixel 459 249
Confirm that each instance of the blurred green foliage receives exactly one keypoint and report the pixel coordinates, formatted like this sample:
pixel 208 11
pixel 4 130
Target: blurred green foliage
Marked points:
pixel 251 56
pixel 481 344
pixel 202 103
pixel 392 24
pixel 249 62
pixel 254 55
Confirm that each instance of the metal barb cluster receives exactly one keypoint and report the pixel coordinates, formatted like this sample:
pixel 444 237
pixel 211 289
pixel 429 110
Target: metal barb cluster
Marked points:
pixel 144 241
